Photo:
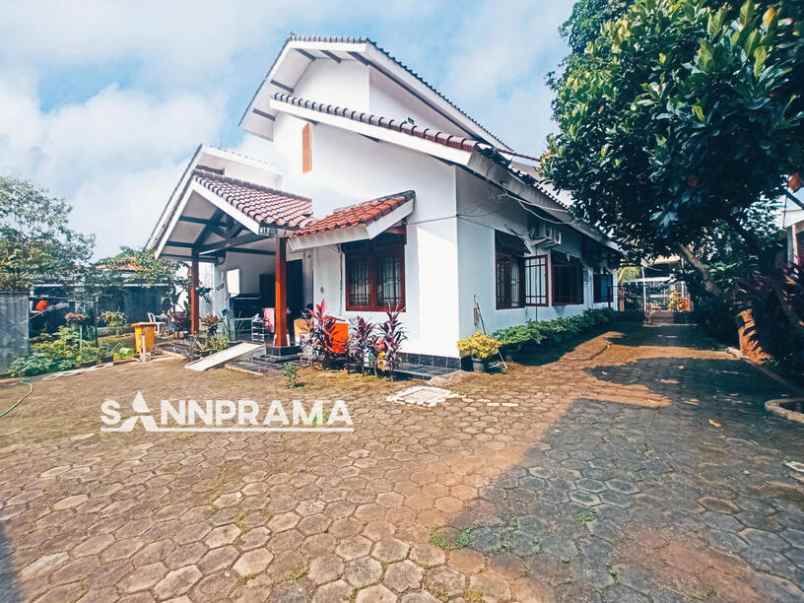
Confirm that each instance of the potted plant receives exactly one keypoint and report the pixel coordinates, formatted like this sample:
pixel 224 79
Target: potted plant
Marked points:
pixel 481 348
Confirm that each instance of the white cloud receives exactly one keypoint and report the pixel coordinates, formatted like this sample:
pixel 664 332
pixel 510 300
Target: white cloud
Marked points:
pixel 115 156
pixel 154 78
pixel 179 39
pixel 497 72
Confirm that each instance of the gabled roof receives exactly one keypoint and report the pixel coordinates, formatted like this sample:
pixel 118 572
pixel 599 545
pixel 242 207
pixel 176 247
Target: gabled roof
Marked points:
pixel 299 51
pixel 372 119
pixel 515 163
pixel 260 203
pixel 354 215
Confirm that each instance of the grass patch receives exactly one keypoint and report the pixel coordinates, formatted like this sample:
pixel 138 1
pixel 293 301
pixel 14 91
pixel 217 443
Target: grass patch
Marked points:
pixel 450 540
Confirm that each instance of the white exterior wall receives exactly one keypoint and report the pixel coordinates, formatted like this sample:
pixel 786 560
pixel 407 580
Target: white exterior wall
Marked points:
pixel 348 168
pixel 448 259
pixel 389 100
pixel 481 212
pixel 364 169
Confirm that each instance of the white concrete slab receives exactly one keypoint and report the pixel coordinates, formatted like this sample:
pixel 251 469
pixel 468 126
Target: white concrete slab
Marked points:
pixel 218 358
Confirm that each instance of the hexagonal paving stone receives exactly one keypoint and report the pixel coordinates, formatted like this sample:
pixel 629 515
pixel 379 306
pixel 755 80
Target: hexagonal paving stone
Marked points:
pixel 222 535
pixel 390 500
pixel 403 575
pixel 591 485
pixel 490 584
pixel 253 562
pixel 254 538
pixel 144 577
pixel 390 550
pixel 314 524
pixel 621 485
pixel 362 572
pixel 419 598
pixel 582 497
pixel 427 555
pixel 375 594
pixel 177 582
pixel 325 569
pixel 763 539
pixel 794 537
pixel 93 545
pixel 718 505
pixel 352 548
pixel 228 500
pixel 335 592
pixel 444 581
pixel 218 559
pixel 70 502
pixel 43 565
pixel 282 522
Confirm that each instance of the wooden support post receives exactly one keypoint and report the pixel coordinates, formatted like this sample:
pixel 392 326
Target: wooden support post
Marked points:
pixel 194 295
pixel 281 305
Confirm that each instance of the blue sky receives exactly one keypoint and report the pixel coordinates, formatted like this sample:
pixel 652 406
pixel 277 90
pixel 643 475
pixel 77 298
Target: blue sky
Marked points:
pixel 104 102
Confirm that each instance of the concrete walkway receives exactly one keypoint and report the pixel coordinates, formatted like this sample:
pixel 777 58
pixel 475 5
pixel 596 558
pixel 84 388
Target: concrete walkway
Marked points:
pixel 638 467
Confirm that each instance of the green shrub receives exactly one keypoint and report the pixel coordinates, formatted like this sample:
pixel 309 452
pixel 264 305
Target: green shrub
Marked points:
pixel 62 352
pixel 554 331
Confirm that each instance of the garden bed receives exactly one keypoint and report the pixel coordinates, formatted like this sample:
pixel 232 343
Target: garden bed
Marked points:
pixel 539 342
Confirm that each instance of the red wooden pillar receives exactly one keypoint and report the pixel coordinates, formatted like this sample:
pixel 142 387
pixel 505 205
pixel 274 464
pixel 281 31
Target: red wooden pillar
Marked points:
pixel 194 296
pixel 281 305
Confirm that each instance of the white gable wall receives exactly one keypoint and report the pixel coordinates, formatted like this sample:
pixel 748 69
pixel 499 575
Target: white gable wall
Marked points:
pixel 344 84
pixel 390 100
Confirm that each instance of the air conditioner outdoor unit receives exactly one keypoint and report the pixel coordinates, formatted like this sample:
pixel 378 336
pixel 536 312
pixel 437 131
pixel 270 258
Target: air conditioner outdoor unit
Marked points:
pixel 545 235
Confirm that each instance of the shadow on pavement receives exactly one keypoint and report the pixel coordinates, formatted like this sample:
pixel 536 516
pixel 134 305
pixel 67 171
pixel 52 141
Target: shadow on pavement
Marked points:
pixel 619 502
pixel 9 592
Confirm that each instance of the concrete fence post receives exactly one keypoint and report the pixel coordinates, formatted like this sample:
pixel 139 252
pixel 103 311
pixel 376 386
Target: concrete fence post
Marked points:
pixel 14 318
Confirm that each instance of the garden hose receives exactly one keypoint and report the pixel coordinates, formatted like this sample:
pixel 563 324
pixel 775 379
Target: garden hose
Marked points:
pixel 18 402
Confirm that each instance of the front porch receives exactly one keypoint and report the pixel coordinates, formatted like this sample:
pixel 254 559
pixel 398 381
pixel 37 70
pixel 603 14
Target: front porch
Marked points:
pixel 240 229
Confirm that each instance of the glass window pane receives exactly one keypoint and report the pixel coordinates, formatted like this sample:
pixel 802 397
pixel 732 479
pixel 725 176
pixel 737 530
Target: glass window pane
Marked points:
pixel 389 281
pixel 358 278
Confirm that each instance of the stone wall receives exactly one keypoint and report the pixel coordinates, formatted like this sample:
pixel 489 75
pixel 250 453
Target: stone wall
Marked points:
pixel 13 327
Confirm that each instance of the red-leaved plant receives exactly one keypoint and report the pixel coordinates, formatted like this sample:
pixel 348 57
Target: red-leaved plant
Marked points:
pixel 321 334
pixel 362 339
pixel 391 338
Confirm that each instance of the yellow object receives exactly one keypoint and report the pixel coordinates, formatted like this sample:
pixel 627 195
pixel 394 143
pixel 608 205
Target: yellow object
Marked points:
pixel 144 333
pixel 479 346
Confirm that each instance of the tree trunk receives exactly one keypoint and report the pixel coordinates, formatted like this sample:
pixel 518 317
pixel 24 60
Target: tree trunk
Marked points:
pixel 709 284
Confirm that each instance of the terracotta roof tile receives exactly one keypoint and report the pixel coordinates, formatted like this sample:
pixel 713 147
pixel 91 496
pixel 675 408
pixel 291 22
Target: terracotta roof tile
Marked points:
pixel 437 136
pixel 361 213
pixel 260 203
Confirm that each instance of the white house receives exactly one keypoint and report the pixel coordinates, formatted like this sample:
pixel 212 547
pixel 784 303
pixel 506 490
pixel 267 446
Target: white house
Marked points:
pixel 399 199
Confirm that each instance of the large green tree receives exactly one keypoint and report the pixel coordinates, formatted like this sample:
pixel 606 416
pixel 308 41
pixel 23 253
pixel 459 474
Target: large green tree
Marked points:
pixel 36 241
pixel 677 117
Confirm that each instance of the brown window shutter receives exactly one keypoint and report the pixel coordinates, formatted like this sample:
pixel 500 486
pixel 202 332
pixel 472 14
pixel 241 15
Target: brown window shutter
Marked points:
pixel 307 149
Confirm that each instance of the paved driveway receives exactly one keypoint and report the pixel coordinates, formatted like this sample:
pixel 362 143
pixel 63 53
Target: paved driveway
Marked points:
pixel 638 467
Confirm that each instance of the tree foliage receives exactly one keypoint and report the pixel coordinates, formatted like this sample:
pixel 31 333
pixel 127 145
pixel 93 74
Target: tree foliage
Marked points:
pixel 36 241
pixel 139 266
pixel 678 117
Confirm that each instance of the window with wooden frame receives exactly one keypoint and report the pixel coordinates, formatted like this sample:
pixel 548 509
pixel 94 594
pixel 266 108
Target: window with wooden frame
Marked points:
pixel 536 281
pixel 603 286
pixel 567 280
pixel 521 279
pixel 375 274
pixel 307 148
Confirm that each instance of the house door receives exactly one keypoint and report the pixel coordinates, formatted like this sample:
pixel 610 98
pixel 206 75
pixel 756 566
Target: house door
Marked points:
pixel 295 288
